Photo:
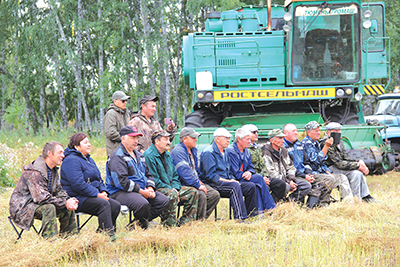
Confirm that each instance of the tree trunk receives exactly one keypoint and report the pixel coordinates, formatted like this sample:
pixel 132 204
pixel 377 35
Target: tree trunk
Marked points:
pixel 3 89
pixel 60 89
pixel 101 69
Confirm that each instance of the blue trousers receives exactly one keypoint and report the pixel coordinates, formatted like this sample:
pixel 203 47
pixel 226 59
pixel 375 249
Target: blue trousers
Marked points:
pixel 235 192
pixel 264 198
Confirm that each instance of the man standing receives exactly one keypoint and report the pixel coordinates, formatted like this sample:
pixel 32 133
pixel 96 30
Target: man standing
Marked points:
pixel 242 169
pixel 39 195
pixel 184 156
pixel 129 181
pixel 277 186
pixel 146 124
pixel 117 116
pixel 340 162
pixel 316 159
pixel 294 147
pixel 279 165
pixel 167 181
pixel 215 171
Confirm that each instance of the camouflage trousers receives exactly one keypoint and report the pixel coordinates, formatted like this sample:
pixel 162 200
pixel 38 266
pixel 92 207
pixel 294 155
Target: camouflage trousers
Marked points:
pixel 324 183
pixel 188 196
pixel 48 214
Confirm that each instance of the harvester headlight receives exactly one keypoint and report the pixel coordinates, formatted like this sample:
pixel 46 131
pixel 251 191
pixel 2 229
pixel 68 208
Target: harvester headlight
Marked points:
pixel 287 16
pixel 367 24
pixel 209 96
pixel 367 14
pixel 286 28
pixel 340 92
pixel 200 95
pixel 358 96
pixel 348 91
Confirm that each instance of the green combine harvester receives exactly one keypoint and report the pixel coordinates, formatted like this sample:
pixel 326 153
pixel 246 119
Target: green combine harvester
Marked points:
pixel 271 65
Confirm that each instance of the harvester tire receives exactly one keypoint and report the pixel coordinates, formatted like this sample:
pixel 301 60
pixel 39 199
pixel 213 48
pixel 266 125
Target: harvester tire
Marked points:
pixel 388 163
pixel 202 118
pixel 336 115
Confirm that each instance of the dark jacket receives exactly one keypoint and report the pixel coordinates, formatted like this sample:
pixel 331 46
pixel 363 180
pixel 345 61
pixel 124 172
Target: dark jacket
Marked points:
pixel 214 165
pixel 32 191
pixel 80 176
pixel 114 120
pixel 338 157
pixel 165 176
pixel 240 162
pixel 127 173
pixel 181 160
pixel 298 158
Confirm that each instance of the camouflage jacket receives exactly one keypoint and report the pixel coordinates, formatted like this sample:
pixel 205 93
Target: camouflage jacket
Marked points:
pixel 32 191
pixel 338 157
pixel 147 128
pixel 279 165
pixel 114 120
pixel 257 159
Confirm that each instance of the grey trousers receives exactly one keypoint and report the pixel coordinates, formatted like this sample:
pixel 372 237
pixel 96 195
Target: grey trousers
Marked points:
pixel 357 180
pixel 207 202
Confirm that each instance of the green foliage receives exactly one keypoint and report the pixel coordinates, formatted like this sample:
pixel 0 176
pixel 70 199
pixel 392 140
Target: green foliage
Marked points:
pixel 5 180
pixel 15 114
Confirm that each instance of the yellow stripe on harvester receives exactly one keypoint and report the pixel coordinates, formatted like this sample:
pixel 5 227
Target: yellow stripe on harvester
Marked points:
pixel 374 89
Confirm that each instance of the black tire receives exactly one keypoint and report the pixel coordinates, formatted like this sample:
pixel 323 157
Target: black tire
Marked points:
pixel 388 163
pixel 336 114
pixel 202 118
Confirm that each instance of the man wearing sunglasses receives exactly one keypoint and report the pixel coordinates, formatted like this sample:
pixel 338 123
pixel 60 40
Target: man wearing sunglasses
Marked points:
pixel 117 116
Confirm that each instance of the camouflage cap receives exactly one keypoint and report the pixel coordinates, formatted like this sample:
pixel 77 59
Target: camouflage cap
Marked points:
pixel 146 99
pixel 333 126
pixel 119 95
pixel 160 133
pixel 275 133
pixel 311 125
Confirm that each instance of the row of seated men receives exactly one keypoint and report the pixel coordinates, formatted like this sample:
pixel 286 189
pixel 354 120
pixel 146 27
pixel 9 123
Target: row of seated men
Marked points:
pixel 152 184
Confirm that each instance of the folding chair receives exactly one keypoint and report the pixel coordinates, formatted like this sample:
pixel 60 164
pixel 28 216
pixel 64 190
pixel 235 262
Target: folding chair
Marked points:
pixel 78 226
pixel 19 233
pixel 215 211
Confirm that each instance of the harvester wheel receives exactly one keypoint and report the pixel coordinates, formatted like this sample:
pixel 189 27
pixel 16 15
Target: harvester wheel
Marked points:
pixel 388 162
pixel 202 118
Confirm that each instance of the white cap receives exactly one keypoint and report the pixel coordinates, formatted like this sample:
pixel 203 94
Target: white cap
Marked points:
pixel 333 126
pixel 222 132
pixel 250 127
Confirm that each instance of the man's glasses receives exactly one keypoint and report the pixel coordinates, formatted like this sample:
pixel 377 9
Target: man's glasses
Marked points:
pixel 124 101
pixel 254 132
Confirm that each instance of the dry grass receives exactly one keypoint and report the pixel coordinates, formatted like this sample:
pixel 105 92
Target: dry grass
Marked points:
pixel 339 235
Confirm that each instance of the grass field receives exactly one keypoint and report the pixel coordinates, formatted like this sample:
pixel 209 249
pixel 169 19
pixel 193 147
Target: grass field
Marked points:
pixel 339 235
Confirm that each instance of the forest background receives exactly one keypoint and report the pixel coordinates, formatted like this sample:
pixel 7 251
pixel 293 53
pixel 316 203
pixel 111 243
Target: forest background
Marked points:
pixel 60 61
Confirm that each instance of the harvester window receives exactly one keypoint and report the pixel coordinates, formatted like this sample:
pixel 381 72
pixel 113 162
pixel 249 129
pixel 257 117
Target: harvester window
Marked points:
pixel 326 44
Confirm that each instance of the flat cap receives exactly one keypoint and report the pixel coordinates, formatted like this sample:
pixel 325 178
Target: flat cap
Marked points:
pixel 187 131
pixel 250 127
pixel 333 126
pixel 129 130
pixel 119 95
pixel 275 133
pixel 147 98
pixel 311 125
pixel 222 132
pixel 160 133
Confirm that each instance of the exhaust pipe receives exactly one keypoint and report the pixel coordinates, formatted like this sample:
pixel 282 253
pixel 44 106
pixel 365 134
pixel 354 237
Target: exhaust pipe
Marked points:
pixel 269 24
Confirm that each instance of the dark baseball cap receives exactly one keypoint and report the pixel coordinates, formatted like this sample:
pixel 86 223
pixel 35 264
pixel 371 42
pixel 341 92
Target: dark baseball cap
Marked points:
pixel 187 131
pixel 129 130
pixel 147 98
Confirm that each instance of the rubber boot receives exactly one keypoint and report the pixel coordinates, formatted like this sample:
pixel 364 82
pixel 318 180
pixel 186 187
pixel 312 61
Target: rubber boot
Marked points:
pixel 312 202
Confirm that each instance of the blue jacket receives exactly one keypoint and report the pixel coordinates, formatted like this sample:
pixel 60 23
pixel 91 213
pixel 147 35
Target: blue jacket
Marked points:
pixel 315 156
pixel 164 176
pixel 80 176
pixel 296 153
pixel 181 160
pixel 240 161
pixel 126 173
pixel 214 165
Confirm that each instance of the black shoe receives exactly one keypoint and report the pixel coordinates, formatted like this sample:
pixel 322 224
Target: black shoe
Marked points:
pixel 370 199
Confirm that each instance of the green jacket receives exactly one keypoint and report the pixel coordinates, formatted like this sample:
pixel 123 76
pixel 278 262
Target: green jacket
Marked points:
pixel 338 157
pixel 257 159
pixel 114 120
pixel 164 176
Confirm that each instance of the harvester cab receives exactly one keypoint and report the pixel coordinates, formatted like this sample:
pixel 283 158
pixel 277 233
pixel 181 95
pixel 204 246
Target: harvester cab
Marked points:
pixel 271 65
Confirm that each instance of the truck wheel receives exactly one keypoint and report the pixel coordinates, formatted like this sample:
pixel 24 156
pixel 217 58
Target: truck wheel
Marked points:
pixel 388 162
